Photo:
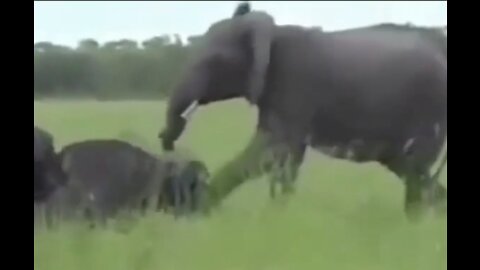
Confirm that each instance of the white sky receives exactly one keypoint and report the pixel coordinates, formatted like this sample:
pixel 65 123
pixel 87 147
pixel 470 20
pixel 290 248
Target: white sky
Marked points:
pixel 66 23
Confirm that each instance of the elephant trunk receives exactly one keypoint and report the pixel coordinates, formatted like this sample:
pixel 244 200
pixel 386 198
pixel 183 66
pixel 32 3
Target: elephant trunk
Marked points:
pixel 183 102
pixel 175 126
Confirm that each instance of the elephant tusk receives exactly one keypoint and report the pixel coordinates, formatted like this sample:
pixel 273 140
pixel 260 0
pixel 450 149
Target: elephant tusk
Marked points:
pixel 190 110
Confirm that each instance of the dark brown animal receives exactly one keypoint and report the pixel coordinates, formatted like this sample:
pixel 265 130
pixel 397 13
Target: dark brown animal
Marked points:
pixel 106 178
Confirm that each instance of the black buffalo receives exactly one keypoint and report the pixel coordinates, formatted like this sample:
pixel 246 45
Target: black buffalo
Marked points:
pixel 185 186
pixel 380 89
pixel 47 172
pixel 105 178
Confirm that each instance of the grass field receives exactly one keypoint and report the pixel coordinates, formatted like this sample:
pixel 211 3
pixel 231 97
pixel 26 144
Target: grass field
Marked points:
pixel 343 216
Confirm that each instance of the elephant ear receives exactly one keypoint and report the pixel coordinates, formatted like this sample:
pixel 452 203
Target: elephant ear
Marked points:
pixel 259 28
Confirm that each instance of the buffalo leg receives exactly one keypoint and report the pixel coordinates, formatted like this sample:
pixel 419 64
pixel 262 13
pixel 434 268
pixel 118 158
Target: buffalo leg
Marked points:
pixel 177 197
pixel 187 196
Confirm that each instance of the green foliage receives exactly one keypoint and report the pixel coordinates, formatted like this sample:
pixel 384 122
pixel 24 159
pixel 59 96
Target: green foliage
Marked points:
pixel 126 69
pixel 115 70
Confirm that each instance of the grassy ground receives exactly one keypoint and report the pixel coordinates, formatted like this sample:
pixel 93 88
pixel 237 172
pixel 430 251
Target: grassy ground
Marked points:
pixel 344 216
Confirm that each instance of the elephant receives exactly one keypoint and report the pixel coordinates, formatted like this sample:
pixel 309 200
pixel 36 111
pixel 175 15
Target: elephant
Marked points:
pixel 108 177
pixel 379 92
pixel 47 172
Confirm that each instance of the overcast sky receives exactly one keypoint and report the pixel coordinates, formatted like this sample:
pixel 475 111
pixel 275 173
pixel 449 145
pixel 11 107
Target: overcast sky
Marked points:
pixel 67 22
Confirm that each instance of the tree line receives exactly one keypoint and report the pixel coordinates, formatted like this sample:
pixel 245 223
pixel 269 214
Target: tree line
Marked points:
pixel 121 69
pixel 113 70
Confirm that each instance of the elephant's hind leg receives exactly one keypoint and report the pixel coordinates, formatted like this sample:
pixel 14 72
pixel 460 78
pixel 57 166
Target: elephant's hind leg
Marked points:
pixel 285 169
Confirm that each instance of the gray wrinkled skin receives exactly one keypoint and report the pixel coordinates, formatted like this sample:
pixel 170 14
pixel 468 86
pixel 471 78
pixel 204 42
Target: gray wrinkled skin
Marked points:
pixel 370 91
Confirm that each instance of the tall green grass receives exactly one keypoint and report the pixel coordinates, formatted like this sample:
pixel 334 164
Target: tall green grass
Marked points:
pixel 343 216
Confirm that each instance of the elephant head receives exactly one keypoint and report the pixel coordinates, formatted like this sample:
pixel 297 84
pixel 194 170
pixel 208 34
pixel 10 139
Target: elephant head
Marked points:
pixel 231 61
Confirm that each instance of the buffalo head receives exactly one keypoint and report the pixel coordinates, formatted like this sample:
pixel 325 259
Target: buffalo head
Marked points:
pixel 185 186
pixel 48 174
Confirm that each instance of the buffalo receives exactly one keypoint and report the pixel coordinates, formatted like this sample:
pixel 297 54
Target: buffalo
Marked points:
pixel 47 172
pixel 185 186
pixel 106 178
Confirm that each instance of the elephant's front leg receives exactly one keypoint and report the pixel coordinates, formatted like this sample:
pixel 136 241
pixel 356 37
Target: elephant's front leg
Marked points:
pixel 251 163
pixel 262 156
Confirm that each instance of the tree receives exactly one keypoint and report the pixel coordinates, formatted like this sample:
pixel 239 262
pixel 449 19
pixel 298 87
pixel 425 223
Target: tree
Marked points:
pixel 88 45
